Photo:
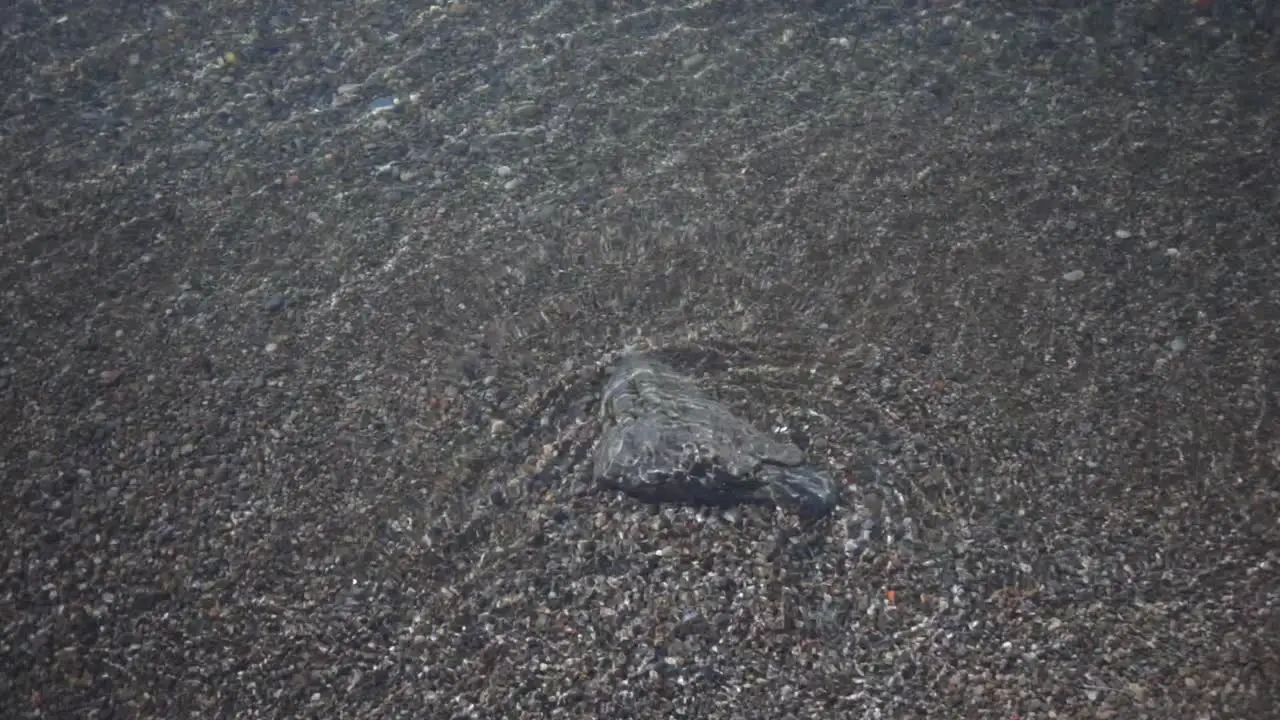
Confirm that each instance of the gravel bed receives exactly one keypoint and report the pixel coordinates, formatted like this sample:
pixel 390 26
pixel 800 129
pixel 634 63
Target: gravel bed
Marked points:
pixel 301 305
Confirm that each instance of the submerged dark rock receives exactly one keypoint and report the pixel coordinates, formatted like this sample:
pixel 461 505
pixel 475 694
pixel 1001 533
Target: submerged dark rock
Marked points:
pixel 667 441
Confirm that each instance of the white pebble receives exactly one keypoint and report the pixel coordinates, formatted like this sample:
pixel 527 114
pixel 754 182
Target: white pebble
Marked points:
pixel 1073 276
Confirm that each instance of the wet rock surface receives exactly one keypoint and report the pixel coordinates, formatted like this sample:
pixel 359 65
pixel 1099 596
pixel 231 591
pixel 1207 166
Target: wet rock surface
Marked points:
pixel 302 304
pixel 665 440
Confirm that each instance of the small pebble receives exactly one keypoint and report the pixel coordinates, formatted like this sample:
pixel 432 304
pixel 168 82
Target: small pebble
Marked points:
pixel 383 104
pixel 1074 276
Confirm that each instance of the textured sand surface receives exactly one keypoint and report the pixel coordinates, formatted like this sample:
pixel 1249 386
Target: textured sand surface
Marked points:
pixel 293 296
